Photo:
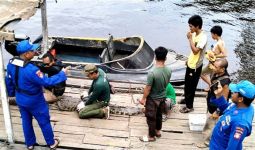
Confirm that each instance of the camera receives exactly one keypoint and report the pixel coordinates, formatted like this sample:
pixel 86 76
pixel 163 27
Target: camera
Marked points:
pixel 214 86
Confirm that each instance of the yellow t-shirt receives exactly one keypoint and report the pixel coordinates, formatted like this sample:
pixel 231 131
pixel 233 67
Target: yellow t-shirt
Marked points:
pixel 200 41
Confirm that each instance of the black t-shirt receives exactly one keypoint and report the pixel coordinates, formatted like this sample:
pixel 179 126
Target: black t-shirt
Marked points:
pixel 58 89
pixel 224 80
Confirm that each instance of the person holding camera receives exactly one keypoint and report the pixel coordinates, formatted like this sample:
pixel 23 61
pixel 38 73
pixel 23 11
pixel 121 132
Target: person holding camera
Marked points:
pixel 236 122
pixel 220 74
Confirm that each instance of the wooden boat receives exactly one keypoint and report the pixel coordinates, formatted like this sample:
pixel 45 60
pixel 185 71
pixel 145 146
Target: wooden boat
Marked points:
pixel 123 59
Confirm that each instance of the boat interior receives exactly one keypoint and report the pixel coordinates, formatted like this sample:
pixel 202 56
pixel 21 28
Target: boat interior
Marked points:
pixel 95 51
pixel 113 53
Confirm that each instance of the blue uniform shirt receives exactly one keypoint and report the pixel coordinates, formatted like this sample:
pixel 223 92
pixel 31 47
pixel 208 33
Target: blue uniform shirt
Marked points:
pixel 32 80
pixel 232 127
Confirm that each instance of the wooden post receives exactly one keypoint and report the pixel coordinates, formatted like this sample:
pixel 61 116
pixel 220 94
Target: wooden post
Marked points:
pixel 44 27
pixel 5 104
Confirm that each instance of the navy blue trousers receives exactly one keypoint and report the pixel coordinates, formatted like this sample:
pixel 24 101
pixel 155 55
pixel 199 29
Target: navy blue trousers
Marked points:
pixel 41 114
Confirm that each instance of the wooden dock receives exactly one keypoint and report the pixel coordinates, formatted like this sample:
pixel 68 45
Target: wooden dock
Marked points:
pixel 120 131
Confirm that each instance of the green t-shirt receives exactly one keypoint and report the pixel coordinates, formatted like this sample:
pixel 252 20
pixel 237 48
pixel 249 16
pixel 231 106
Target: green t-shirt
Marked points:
pixel 100 89
pixel 158 79
pixel 170 93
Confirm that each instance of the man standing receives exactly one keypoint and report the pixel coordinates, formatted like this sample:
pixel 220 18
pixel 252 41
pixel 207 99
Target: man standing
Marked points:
pixel 155 95
pixel 197 40
pixel 236 122
pixel 99 95
pixel 25 81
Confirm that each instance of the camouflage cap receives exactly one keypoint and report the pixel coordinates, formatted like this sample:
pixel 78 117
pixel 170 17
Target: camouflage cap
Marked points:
pixel 90 68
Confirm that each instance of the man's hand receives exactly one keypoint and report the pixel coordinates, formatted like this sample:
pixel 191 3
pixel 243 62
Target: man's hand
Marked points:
pixel 215 116
pixel 142 101
pixel 84 94
pixel 65 70
pixel 189 35
pixel 211 55
pixel 80 106
pixel 219 91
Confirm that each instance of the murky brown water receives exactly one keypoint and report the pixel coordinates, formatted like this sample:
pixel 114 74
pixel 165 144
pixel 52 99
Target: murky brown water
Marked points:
pixel 161 23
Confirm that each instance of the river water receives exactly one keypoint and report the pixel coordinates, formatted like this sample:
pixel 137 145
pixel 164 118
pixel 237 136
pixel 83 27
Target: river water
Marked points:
pixel 161 23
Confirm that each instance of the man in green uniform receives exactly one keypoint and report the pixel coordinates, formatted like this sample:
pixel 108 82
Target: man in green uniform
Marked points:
pixel 155 95
pixel 96 105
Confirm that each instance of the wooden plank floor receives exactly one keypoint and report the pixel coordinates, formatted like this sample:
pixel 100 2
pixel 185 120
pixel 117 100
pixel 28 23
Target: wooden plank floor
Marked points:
pixel 120 131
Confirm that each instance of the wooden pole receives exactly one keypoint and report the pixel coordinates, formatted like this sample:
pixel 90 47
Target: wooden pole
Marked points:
pixel 44 27
pixel 5 104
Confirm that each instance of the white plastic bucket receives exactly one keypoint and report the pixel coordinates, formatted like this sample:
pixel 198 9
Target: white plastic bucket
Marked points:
pixel 197 122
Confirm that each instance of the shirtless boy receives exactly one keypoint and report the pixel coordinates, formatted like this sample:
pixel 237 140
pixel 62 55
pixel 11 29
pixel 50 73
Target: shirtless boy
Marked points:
pixel 218 51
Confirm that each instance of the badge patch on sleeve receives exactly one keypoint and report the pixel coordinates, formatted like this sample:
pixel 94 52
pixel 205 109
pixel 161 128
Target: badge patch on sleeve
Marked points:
pixel 238 133
pixel 39 74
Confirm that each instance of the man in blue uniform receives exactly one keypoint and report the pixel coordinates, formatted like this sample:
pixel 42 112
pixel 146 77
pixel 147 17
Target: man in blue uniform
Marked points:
pixel 25 81
pixel 236 122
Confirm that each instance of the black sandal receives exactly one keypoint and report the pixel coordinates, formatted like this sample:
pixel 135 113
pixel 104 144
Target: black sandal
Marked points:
pixel 186 110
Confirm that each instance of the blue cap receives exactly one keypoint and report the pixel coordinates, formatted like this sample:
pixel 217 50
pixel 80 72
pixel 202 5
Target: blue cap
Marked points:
pixel 245 87
pixel 25 46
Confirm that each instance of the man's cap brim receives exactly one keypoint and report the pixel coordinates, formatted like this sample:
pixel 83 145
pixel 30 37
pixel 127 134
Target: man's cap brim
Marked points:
pixel 35 47
pixel 233 87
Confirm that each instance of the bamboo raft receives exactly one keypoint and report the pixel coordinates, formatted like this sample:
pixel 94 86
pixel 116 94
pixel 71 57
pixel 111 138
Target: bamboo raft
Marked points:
pixel 120 131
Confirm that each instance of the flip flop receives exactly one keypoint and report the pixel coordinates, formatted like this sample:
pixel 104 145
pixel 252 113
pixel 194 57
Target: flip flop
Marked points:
pixel 55 147
pixel 30 148
pixel 158 135
pixel 164 118
pixel 201 145
pixel 146 139
pixel 33 146
pixel 186 110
